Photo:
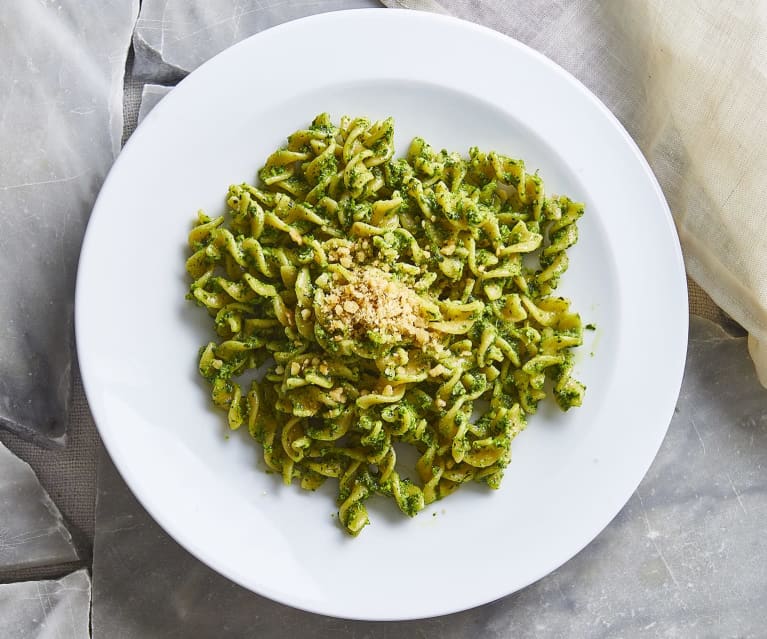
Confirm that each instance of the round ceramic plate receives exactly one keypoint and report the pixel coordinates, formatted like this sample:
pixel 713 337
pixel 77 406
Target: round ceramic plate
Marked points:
pixel 457 85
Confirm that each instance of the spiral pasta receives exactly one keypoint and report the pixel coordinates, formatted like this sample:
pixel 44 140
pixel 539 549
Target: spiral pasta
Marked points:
pixel 387 300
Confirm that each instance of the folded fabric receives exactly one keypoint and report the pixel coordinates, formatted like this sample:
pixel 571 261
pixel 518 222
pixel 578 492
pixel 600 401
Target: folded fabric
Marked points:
pixel 689 82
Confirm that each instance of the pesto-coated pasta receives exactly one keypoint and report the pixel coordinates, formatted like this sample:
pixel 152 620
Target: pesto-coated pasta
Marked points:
pixel 388 300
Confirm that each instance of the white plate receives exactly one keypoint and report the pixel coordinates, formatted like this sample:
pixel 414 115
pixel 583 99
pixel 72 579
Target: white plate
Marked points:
pixel 457 85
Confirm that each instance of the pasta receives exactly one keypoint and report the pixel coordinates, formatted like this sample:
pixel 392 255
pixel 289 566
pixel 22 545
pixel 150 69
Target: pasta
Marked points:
pixel 385 301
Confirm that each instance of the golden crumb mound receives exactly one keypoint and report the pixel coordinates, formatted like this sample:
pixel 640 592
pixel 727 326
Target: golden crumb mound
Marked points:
pixel 372 305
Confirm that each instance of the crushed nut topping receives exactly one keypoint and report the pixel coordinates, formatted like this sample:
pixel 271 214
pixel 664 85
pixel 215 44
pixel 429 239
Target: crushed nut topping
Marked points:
pixel 374 302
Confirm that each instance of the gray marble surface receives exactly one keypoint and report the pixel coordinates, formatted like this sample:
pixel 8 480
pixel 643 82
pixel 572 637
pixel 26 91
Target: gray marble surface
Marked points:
pixel 32 531
pixel 60 128
pixel 173 37
pixel 51 609
pixel 684 558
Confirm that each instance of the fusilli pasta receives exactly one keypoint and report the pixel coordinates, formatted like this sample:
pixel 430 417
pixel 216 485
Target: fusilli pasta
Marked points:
pixel 387 300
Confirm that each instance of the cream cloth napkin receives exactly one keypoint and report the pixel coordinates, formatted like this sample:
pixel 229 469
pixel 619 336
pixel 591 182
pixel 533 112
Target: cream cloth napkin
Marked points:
pixel 688 80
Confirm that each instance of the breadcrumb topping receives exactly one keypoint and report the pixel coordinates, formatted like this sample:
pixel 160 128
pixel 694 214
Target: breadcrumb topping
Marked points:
pixel 374 302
